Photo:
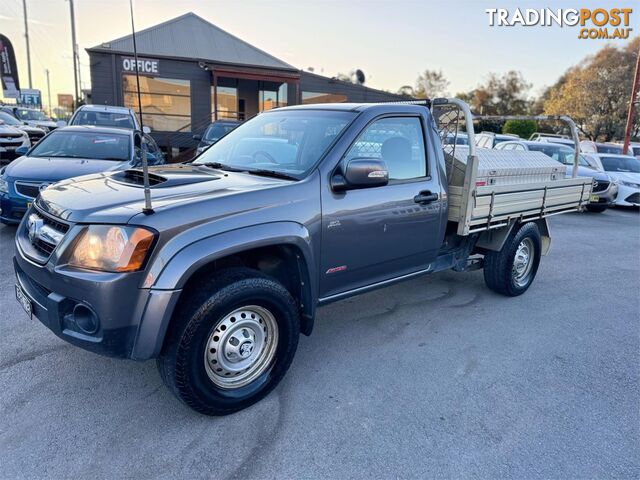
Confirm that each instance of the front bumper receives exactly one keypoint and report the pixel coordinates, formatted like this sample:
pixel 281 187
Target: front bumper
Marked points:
pixel 628 196
pixel 128 321
pixel 605 197
pixel 12 209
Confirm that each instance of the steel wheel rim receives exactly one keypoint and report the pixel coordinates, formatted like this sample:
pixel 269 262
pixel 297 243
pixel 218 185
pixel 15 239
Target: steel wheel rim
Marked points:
pixel 241 347
pixel 523 262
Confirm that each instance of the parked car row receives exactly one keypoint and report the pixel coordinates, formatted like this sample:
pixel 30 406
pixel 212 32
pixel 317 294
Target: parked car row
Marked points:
pixel 97 139
pixel 616 177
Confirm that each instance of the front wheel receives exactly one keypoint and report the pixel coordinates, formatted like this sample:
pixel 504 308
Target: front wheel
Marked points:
pixel 511 270
pixel 231 342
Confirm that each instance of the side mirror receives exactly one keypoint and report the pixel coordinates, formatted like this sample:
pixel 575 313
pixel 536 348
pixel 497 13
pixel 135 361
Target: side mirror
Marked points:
pixel 22 150
pixel 197 137
pixel 361 173
pixel 61 123
pixel 146 130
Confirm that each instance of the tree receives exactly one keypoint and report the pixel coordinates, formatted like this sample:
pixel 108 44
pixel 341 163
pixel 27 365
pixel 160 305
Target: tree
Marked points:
pixel 522 128
pixel 501 95
pixel 431 84
pixel 596 92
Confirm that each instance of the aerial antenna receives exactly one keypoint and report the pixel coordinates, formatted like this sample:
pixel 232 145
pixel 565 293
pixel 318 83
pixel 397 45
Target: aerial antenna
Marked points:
pixel 143 148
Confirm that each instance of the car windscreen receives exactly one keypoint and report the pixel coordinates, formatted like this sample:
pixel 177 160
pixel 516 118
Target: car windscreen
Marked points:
pixel 93 145
pixel 27 114
pixel 218 130
pixel 609 149
pixel 557 152
pixel 459 139
pixel 103 119
pixel 621 164
pixel 7 119
pixel 288 142
pixel 497 140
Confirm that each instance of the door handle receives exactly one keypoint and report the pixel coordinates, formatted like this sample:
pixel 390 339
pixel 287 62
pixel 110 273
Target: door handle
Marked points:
pixel 425 197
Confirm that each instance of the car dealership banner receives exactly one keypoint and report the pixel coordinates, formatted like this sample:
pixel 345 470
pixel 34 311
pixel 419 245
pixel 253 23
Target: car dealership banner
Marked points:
pixel 8 69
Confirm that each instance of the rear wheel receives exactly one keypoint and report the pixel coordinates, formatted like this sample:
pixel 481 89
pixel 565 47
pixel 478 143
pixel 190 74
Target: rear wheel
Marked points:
pixel 231 342
pixel 596 208
pixel 511 270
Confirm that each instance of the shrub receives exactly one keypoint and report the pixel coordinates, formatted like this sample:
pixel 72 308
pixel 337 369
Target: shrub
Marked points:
pixel 522 128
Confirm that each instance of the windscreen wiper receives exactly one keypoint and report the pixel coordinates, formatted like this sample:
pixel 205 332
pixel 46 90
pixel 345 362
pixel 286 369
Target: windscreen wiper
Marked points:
pixel 220 166
pixel 271 173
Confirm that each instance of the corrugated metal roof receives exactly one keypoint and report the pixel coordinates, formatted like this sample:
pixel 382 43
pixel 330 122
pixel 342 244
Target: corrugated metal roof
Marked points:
pixel 190 36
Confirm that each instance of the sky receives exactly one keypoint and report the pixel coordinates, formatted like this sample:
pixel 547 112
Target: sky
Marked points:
pixel 392 41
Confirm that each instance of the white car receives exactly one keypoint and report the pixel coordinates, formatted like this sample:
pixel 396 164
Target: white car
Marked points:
pixel 625 170
pixel 589 146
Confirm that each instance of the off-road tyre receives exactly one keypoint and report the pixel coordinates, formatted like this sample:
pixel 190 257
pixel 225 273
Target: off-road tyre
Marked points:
pixel 499 272
pixel 182 364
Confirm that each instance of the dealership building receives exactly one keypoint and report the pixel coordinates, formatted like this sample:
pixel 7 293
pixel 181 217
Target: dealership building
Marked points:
pixel 192 72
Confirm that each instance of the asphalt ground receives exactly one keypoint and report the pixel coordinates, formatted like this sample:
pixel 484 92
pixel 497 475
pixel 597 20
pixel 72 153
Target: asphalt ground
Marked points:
pixel 435 377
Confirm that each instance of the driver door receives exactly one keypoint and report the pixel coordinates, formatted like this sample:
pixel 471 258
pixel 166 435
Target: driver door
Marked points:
pixel 374 234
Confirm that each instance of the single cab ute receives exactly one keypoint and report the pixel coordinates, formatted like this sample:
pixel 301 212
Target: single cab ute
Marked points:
pixel 297 207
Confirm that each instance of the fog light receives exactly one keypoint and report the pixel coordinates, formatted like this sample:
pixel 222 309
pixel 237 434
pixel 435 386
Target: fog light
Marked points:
pixel 85 319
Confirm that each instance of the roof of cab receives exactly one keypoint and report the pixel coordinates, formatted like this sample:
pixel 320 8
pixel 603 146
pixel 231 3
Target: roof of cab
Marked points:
pixel 105 108
pixel 95 129
pixel 352 107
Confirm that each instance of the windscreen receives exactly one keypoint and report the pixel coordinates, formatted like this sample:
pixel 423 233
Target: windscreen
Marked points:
pixel 609 149
pixel 558 153
pixel 104 119
pixel 68 144
pixel 7 119
pixel 621 164
pixel 218 130
pixel 27 114
pixel 289 142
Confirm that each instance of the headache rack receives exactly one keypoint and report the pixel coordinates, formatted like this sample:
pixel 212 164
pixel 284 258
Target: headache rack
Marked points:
pixel 478 206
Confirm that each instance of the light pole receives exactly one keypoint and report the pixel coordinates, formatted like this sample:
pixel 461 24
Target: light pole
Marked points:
pixel 75 54
pixel 632 103
pixel 49 91
pixel 26 37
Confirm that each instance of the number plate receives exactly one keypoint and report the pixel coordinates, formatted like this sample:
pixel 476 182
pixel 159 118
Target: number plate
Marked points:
pixel 24 301
pixel 595 198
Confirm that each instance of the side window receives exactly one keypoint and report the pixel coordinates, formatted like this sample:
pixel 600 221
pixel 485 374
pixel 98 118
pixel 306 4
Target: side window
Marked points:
pixel 399 141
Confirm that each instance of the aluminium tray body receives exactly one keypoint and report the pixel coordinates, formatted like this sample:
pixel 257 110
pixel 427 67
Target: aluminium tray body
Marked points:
pixel 509 186
pixel 505 167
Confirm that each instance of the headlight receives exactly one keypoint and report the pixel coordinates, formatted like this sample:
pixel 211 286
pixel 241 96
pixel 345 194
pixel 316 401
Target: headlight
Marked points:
pixel 112 249
pixel 630 184
pixel 4 186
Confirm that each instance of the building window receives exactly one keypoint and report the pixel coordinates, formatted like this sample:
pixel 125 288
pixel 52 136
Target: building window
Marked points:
pixel 166 102
pixel 318 97
pixel 271 96
pixel 227 103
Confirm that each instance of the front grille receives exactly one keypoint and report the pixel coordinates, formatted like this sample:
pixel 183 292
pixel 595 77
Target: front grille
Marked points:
pixel 42 234
pixel 600 185
pixel 35 137
pixel 11 135
pixel 26 189
pixel 633 198
pixel 10 143
pixel 43 247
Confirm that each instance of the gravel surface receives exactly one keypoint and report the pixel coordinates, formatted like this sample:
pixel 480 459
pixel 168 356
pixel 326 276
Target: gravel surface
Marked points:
pixel 435 377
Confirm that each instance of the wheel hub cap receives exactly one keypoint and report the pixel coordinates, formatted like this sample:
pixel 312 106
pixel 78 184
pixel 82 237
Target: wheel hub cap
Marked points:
pixel 241 347
pixel 523 262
